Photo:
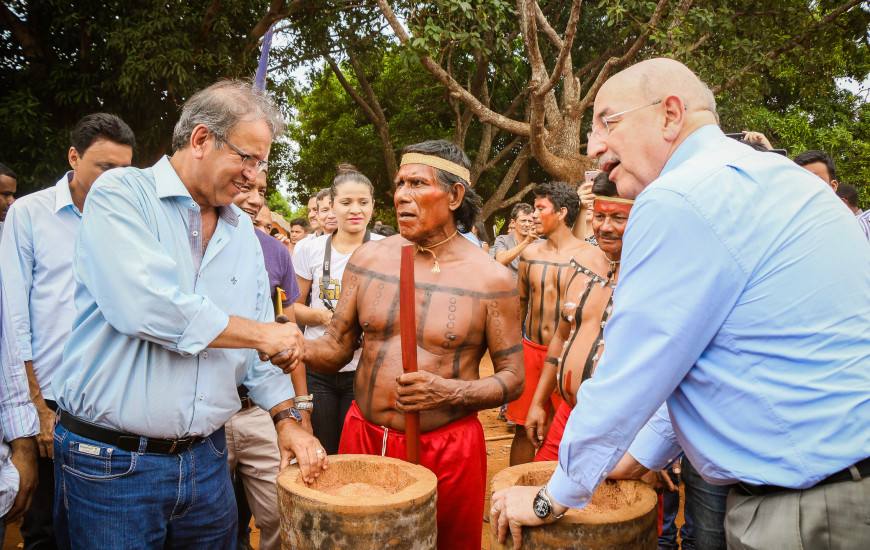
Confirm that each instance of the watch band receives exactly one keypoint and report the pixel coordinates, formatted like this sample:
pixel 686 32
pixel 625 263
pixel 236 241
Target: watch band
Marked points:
pixel 550 501
pixel 290 412
pixel 303 399
pixel 305 406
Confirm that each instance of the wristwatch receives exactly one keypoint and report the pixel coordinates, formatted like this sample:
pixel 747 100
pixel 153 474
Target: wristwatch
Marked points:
pixel 303 399
pixel 305 406
pixel 291 412
pixel 543 506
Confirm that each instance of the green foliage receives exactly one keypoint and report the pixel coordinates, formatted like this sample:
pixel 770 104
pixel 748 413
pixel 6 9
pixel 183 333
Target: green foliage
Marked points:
pixel 329 128
pixel 138 60
pixel 279 205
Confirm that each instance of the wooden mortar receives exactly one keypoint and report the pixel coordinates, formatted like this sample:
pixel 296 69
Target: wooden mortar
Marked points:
pixel 359 501
pixel 622 515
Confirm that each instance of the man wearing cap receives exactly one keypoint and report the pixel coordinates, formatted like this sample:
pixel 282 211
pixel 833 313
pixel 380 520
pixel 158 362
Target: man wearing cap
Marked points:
pixel 467 303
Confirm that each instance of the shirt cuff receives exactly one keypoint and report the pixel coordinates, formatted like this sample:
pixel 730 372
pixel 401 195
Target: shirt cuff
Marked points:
pixel 653 450
pixel 208 323
pixel 566 492
pixel 20 421
pixel 271 390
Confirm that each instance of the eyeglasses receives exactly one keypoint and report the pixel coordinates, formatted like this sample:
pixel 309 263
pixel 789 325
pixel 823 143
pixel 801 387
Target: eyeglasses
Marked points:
pixel 249 162
pixel 601 132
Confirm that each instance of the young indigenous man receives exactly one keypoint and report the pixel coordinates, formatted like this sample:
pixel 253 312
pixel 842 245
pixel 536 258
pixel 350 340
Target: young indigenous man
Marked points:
pixel 460 317
pixel 509 247
pixel 586 307
pixel 252 442
pixel 544 270
pixel 36 260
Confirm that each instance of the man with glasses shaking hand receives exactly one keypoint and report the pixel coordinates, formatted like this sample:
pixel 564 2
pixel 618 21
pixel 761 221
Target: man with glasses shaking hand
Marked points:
pixel 174 313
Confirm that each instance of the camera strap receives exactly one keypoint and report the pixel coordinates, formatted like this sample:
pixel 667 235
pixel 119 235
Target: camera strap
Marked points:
pixel 327 259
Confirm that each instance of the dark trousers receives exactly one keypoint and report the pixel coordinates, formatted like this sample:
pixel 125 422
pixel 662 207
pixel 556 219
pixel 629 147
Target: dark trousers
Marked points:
pixel 706 504
pixel 671 501
pixel 37 529
pixel 333 395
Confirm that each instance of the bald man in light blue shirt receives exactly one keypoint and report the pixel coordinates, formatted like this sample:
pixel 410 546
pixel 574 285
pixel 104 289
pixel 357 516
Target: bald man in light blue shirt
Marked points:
pixel 744 301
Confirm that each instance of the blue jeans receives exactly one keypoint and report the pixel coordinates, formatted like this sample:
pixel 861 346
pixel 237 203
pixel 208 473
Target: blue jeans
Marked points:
pixel 706 504
pixel 333 395
pixel 109 498
pixel 671 502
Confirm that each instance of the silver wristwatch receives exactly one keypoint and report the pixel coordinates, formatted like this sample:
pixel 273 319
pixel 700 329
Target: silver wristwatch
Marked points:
pixel 305 406
pixel 543 506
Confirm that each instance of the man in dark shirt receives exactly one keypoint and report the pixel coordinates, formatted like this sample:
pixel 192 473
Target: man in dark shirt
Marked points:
pixel 251 438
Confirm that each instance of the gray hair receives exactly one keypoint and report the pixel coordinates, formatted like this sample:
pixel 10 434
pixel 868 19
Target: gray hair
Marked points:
pixel 223 105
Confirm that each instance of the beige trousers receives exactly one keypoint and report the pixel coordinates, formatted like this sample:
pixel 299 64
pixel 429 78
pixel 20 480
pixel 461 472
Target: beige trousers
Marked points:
pixel 253 453
pixel 827 517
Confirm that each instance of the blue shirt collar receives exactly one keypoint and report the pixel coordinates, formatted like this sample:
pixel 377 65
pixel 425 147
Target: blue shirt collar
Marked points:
pixel 697 140
pixel 62 196
pixel 168 184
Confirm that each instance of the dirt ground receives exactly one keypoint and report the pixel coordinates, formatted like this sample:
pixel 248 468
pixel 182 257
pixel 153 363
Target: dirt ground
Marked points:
pixel 497 449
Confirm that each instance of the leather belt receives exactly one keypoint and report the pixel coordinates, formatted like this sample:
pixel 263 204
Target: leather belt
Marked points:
pixel 856 472
pixel 245 397
pixel 124 440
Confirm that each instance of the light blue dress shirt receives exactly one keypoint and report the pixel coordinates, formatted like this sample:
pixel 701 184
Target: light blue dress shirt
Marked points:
pixel 17 413
pixel 744 300
pixel 149 303
pixel 36 261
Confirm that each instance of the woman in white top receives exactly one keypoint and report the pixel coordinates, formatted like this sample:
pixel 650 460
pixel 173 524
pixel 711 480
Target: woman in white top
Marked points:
pixel 352 196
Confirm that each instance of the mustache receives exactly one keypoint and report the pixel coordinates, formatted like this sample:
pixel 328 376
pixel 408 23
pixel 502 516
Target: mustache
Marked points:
pixel 611 236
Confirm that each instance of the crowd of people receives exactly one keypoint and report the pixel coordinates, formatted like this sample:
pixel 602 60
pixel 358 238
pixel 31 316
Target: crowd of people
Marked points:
pixel 167 349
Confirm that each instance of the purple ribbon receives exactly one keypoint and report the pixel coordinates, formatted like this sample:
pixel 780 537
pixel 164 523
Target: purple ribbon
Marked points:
pixel 260 80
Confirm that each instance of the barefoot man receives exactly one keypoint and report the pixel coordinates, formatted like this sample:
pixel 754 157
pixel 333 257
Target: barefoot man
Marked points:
pixel 586 306
pixel 543 273
pixel 466 303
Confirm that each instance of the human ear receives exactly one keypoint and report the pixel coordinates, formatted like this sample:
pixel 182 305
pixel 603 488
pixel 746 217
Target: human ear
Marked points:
pixel 74 158
pixel 198 139
pixel 457 194
pixel 675 117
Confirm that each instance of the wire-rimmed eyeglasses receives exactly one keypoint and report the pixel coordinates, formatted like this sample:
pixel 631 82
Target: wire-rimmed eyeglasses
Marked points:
pixel 249 162
pixel 605 130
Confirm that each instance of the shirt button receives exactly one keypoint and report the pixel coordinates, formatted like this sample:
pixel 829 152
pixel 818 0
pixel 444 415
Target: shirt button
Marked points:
pixel 193 205
pixel 204 354
pixel 604 474
pixel 201 396
pixel 583 499
pixel 195 233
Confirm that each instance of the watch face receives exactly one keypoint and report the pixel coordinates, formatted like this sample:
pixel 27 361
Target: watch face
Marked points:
pixel 541 507
pixel 297 416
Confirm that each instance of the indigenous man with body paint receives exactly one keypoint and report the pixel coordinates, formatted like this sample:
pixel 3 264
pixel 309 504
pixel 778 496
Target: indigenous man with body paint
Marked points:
pixel 586 306
pixel 467 304
pixel 544 271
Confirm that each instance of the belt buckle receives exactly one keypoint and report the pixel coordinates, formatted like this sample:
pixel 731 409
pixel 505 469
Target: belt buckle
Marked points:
pixel 177 441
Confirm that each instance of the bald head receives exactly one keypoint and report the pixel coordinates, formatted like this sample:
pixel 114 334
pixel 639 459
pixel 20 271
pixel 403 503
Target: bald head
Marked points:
pixel 642 114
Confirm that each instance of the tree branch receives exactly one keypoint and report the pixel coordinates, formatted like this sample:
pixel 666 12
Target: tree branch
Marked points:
pixel 21 33
pixel 278 9
pixel 790 45
pixel 565 52
pixel 617 62
pixel 483 113
pixel 496 201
